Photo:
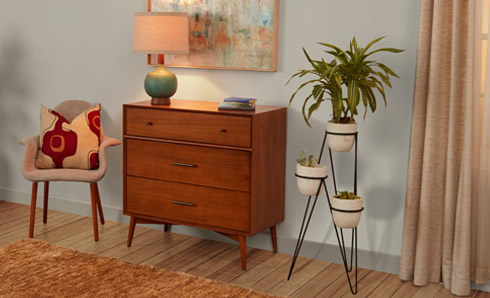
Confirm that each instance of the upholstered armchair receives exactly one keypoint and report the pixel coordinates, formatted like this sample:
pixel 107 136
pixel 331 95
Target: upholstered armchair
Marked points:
pixel 69 109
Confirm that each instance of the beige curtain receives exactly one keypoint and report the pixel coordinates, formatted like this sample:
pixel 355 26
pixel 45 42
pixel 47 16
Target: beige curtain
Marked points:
pixel 480 225
pixel 437 233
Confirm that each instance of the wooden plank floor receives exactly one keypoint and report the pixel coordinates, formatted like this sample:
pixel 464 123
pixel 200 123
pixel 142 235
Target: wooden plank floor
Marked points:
pixel 266 272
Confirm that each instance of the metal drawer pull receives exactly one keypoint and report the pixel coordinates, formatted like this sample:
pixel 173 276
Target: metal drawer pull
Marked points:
pixel 222 130
pixel 184 203
pixel 149 123
pixel 184 164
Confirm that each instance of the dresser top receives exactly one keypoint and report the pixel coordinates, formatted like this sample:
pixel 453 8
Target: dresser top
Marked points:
pixel 201 106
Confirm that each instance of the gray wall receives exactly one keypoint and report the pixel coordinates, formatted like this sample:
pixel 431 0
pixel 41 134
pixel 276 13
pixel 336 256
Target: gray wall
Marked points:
pixel 56 50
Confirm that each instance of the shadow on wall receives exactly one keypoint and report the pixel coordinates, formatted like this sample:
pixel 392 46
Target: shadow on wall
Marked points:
pixel 15 80
pixel 383 204
pixel 111 185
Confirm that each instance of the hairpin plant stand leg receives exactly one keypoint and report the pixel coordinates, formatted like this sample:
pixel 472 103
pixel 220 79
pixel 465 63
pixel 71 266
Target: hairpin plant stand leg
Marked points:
pixel 304 224
pixel 338 231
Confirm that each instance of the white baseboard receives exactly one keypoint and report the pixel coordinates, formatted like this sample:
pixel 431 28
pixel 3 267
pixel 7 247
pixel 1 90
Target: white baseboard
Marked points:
pixel 310 249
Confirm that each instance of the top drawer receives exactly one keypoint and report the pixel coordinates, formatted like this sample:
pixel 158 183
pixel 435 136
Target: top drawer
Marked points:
pixel 189 126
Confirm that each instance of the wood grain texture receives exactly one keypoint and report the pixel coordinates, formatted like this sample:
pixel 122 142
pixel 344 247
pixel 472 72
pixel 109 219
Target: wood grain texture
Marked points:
pixel 408 289
pixel 5 206
pixel 15 213
pixel 132 226
pixel 99 204
pixel 340 286
pixel 233 269
pixel 197 106
pixel 255 274
pixel 387 288
pixel 318 282
pixel 45 201
pixel 93 196
pixel 196 257
pixel 212 207
pixel 188 126
pixel 274 238
pixel 33 209
pixel 192 153
pixel 215 263
pixel 370 282
pixel 199 165
pixel 268 169
pixel 176 249
pixel 243 251
pixel 211 259
pixel 277 284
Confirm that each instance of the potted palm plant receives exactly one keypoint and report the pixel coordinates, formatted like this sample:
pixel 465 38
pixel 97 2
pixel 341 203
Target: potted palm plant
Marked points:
pixel 306 171
pixel 346 209
pixel 350 78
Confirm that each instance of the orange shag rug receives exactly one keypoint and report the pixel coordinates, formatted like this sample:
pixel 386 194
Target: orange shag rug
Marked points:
pixel 33 268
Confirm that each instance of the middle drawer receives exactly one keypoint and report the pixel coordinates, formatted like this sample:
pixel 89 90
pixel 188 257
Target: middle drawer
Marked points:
pixel 216 167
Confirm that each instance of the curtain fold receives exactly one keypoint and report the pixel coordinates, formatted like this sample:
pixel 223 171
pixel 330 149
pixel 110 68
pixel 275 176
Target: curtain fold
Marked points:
pixel 480 235
pixel 438 210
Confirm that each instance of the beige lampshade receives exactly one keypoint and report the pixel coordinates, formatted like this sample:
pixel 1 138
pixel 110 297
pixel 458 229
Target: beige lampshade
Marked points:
pixel 161 33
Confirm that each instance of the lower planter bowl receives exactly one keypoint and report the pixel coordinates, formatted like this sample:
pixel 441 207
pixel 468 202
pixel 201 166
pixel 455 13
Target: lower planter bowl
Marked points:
pixel 345 218
pixel 341 143
pixel 309 187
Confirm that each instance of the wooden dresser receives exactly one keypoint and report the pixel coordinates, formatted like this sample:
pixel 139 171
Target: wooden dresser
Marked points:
pixel 190 164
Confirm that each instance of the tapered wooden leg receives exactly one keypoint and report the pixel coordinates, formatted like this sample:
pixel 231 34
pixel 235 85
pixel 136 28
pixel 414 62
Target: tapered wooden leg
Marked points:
pixel 274 238
pixel 93 194
pixel 33 209
pixel 99 204
pixel 243 251
pixel 45 206
pixel 166 227
pixel 132 224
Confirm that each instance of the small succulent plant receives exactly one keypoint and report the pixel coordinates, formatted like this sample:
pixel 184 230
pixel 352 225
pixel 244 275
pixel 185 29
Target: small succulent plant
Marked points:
pixel 306 161
pixel 346 195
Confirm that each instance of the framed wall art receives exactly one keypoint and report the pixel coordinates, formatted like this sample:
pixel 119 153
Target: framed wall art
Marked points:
pixel 226 34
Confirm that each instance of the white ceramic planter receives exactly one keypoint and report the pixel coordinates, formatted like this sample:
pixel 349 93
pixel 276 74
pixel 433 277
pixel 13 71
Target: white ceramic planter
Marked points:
pixel 309 187
pixel 341 143
pixel 346 220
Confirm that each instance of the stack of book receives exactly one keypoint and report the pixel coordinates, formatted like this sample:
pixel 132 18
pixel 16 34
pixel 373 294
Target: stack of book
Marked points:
pixel 238 103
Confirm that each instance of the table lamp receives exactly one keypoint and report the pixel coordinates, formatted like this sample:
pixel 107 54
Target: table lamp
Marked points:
pixel 161 33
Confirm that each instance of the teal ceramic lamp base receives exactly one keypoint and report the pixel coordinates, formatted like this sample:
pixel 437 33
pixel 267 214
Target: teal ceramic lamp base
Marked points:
pixel 160 84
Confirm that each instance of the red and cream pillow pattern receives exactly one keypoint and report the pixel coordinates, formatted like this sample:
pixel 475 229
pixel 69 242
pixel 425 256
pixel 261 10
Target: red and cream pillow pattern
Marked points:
pixel 69 145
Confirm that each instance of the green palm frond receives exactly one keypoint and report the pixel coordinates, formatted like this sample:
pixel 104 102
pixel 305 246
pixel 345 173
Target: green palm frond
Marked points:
pixel 349 69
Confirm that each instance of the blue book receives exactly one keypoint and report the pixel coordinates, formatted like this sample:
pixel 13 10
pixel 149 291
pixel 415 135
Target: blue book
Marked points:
pixel 240 99
pixel 236 106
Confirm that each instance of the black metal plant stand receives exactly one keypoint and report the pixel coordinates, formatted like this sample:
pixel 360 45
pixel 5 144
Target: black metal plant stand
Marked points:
pixel 338 231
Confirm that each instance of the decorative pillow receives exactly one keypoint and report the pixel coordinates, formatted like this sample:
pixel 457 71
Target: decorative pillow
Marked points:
pixel 69 145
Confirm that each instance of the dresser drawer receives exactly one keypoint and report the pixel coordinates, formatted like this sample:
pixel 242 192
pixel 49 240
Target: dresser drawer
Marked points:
pixel 189 126
pixel 188 203
pixel 206 166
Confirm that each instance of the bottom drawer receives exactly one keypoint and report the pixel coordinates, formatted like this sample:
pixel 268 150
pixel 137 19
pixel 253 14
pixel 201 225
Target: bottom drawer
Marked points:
pixel 188 203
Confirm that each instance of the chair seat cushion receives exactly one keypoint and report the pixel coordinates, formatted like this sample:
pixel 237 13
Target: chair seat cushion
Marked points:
pixel 69 145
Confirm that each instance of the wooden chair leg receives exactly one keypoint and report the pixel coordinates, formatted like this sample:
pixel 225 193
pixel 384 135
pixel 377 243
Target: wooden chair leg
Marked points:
pixel 99 205
pixel 274 238
pixel 93 194
pixel 45 206
pixel 243 251
pixel 33 209
pixel 132 225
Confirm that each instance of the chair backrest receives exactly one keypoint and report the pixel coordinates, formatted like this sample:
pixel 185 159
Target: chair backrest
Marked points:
pixel 74 107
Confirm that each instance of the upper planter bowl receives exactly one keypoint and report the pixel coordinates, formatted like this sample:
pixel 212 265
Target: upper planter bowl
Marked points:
pixel 341 143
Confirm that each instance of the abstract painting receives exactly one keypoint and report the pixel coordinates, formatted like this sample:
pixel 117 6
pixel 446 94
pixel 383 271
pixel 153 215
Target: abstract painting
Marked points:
pixel 226 34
